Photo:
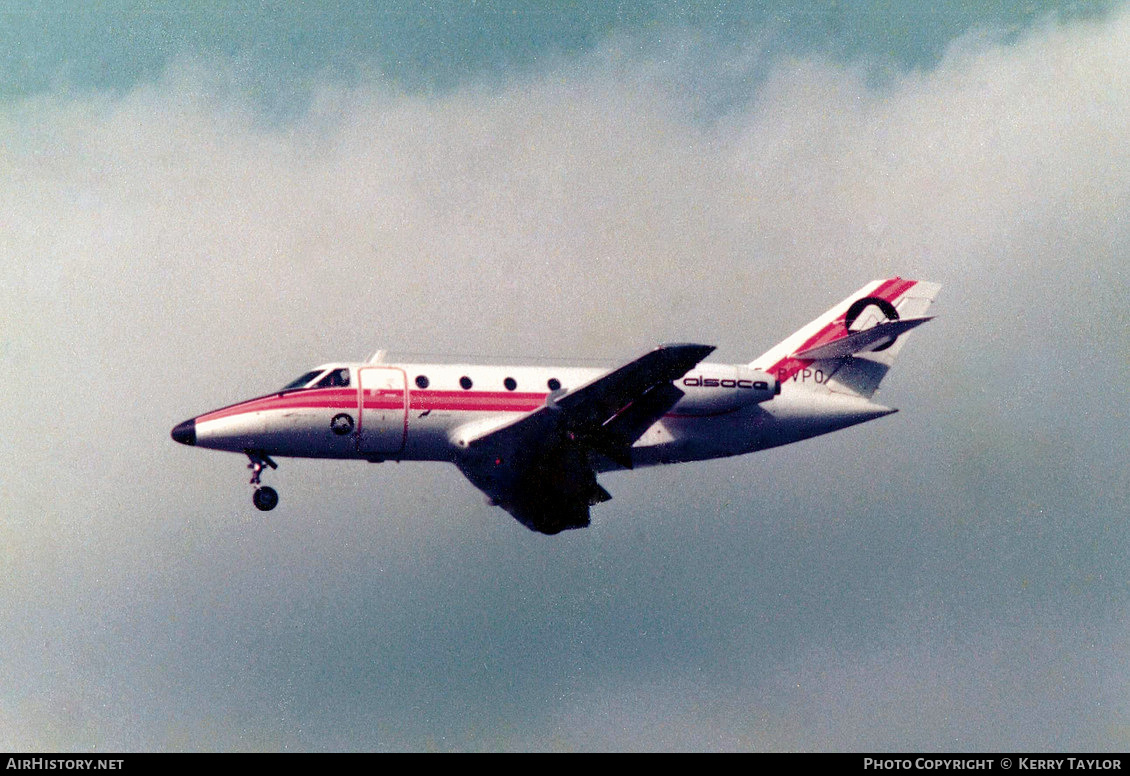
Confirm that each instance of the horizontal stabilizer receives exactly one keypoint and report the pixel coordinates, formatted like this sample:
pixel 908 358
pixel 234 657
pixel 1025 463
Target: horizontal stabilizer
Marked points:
pixel 856 342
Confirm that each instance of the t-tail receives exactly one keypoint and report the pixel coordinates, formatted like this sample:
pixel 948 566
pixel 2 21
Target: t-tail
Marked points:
pixel 835 363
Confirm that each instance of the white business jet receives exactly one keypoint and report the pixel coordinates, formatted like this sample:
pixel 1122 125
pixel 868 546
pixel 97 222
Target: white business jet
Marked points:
pixel 534 438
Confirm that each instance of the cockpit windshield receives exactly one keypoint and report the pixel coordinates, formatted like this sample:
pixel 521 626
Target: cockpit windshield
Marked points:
pixel 302 381
pixel 333 378
pixel 337 378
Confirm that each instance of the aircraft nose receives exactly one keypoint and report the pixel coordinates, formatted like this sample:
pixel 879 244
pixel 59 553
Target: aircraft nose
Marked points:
pixel 185 433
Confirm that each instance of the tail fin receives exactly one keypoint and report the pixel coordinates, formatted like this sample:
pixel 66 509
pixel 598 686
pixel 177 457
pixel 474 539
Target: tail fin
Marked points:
pixel 849 349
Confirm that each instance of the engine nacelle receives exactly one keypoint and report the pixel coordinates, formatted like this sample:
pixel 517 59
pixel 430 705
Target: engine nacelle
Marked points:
pixel 714 389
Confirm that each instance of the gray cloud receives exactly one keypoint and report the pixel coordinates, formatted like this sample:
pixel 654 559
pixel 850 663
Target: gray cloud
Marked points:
pixel 952 577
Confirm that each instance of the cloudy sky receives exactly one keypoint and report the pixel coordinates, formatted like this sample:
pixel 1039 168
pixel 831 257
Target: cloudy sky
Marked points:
pixel 196 206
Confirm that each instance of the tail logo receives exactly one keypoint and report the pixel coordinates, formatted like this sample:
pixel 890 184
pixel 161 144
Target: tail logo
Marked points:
pixel 859 305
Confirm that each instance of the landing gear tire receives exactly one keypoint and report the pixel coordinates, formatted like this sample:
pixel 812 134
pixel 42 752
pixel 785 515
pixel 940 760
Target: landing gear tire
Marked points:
pixel 266 498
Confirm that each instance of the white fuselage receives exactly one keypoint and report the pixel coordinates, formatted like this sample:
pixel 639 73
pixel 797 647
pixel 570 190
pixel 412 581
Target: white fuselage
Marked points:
pixel 426 412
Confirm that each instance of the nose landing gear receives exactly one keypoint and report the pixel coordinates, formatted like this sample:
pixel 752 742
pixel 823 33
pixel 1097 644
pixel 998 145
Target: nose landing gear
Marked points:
pixel 265 497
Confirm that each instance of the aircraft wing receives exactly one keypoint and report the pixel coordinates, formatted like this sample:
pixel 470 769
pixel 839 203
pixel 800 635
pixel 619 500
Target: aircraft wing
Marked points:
pixel 539 467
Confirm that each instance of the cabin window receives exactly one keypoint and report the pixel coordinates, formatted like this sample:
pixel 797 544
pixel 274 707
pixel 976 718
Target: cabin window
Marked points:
pixel 510 383
pixel 554 384
pixel 422 381
pixel 465 382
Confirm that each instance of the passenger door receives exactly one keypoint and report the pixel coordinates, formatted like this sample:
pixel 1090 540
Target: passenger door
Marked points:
pixel 383 409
